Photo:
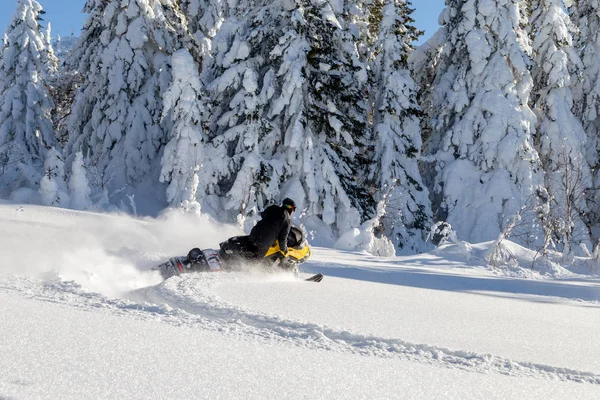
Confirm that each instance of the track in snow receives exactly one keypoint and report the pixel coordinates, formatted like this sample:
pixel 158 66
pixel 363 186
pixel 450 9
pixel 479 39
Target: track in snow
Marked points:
pixel 188 301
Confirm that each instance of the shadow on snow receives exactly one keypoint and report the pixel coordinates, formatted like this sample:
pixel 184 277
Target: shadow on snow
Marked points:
pixel 575 289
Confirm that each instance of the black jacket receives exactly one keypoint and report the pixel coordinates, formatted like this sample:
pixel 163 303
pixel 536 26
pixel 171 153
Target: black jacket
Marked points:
pixel 274 225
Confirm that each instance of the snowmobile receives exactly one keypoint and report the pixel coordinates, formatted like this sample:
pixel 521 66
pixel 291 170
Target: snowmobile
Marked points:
pixel 237 252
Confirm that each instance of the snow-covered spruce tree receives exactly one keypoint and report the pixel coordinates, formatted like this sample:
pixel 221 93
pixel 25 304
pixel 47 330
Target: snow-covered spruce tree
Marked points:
pixel 358 21
pixel 205 18
pixel 53 188
pixel 79 185
pixel 423 62
pixel 51 59
pixel 61 84
pixel 291 113
pixel 480 138
pixel 84 55
pixel 48 189
pixel 560 137
pixel 185 152
pixel 26 130
pixel 82 61
pixel 397 134
pixel 238 124
pixel 62 88
pixel 126 47
pixel 587 98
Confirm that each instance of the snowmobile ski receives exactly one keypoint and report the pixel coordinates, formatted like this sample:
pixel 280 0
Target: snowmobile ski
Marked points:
pixel 315 278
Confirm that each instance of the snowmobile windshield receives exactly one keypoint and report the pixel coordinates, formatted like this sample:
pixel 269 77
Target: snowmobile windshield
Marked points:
pixel 296 237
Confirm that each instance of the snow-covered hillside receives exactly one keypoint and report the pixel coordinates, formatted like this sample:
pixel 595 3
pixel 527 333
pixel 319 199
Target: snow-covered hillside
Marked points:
pixel 83 317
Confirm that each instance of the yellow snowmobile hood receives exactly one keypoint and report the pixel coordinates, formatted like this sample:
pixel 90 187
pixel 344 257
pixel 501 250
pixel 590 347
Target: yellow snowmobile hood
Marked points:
pixel 299 253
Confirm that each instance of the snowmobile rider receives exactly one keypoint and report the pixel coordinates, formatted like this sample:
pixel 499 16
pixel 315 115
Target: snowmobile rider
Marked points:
pixel 274 225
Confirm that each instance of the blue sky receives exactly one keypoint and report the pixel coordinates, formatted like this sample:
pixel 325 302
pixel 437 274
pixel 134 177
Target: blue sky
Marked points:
pixel 66 16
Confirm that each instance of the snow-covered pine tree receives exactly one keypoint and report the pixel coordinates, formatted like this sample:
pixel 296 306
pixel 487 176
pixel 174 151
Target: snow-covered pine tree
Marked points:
pixel 587 98
pixel 84 54
pixel 61 84
pixel 48 189
pixel 126 46
pixel 185 152
pixel 51 59
pixel 358 21
pixel 423 62
pixel 523 34
pixel 205 18
pixel 397 134
pixel 291 113
pixel 480 126
pixel 62 88
pixel 71 96
pixel 26 130
pixel 238 127
pixel 53 188
pixel 323 113
pixel 560 137
pixel 79 185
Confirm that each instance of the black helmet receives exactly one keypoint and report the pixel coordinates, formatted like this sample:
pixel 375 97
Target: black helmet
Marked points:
pixel 288 204
pixel 195 256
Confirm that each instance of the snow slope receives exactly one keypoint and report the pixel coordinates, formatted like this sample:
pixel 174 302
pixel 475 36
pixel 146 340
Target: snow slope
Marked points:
pixel 82 317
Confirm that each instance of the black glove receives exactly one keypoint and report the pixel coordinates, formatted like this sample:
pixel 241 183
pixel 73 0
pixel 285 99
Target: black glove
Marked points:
pixel 280 255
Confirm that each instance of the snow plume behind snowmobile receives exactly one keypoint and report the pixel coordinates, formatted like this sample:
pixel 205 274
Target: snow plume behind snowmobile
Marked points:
pixel 237 252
